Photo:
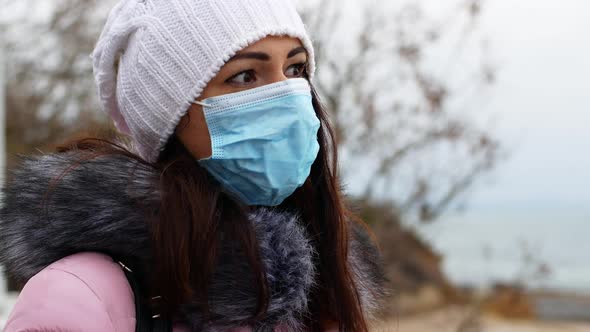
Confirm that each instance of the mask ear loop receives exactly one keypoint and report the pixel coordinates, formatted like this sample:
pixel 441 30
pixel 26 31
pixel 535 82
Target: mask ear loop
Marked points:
pixel 201 103
pixel 204 105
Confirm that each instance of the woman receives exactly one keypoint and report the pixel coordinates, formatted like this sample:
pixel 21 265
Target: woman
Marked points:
pixel 221 195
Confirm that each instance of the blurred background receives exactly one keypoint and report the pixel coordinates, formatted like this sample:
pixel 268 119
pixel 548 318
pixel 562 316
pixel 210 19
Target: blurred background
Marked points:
pixel 463 129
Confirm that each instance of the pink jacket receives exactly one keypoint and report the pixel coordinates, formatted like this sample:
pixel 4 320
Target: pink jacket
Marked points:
pixel 86 292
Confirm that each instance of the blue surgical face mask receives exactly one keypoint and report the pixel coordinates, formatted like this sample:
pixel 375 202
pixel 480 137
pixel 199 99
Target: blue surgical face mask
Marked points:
pixel 264 140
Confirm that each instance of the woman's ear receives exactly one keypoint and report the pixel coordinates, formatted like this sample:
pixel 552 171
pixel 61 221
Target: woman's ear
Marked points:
pixel 193 132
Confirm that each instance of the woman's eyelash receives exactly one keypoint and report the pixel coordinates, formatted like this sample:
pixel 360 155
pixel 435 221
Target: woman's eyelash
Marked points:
pixel 299 67
pixel 302 66
pixel 240 73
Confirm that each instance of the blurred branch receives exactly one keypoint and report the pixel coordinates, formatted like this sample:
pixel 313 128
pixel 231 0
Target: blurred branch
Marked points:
pixel 50 92
pixel 390 106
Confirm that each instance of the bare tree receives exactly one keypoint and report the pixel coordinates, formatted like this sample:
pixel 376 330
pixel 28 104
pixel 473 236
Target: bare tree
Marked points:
pixel 395 110
pixel 50 92
pixel 392 107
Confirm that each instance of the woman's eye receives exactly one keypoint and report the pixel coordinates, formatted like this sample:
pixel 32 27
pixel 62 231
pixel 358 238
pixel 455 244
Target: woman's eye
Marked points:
pixel 296 70
pixel 245 77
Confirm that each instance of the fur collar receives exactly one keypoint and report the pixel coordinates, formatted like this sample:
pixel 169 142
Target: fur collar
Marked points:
pixel 95 208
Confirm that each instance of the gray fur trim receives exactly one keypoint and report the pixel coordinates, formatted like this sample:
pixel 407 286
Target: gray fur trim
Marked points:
pixel 99 206
pixel 287 256
pixel 93 208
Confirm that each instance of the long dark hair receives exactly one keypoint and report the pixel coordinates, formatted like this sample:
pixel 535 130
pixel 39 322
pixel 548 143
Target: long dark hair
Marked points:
pixel 194 211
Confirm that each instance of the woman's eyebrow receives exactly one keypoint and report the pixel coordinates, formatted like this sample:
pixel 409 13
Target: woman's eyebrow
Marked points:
pixel 251 55
pixel 296 51
pixel 263 56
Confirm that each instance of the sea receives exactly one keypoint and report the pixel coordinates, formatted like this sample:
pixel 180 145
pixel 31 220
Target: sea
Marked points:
pixel 543 251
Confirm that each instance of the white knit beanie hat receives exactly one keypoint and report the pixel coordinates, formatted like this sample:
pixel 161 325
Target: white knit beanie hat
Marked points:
pixel 155 57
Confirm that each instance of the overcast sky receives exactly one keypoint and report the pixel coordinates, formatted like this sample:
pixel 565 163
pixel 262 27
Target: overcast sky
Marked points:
pixel 542 100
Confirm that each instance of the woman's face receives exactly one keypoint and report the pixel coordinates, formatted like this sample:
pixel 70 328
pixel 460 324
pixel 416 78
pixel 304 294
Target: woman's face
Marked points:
pixel 270 60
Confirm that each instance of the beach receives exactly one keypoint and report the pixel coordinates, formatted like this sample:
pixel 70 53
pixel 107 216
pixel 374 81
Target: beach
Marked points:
pixel 450 319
